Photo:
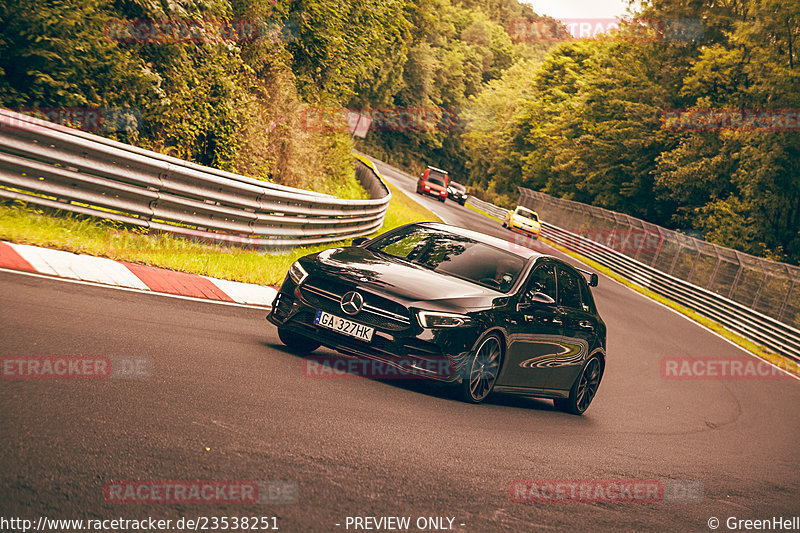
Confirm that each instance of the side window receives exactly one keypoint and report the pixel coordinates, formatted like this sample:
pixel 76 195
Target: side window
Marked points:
pixel 543 279
pixel 569 289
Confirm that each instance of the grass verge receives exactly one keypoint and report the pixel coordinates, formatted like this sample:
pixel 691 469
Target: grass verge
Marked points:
pixel 26 224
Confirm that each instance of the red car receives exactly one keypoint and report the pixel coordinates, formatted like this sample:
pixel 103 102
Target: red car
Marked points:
pixel 433 181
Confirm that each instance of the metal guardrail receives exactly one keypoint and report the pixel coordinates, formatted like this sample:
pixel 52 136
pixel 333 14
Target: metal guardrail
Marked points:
pixel 50 165
pixel 739 318
pixel 487 208
pixel 768 287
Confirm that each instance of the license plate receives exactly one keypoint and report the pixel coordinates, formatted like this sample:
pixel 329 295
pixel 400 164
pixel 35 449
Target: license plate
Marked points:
pixel 344 326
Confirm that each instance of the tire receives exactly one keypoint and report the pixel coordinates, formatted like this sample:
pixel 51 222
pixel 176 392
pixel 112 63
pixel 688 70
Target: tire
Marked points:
pixel 442 199
pixel 483 370
pixel 504 225
pixel 296 342
pixel 584 389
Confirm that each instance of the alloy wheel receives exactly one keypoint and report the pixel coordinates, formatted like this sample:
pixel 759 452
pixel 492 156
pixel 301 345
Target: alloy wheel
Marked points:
pixel 588 385
pixel 485 367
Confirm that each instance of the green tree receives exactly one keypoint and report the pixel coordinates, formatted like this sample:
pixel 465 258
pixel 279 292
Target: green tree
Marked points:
pixel 57 54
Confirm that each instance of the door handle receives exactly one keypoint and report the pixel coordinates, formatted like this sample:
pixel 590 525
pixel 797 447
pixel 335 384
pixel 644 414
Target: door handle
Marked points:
pixel 556 321
pixel 585 324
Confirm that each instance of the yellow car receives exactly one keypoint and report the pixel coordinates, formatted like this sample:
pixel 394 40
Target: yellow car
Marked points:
pixel 524 221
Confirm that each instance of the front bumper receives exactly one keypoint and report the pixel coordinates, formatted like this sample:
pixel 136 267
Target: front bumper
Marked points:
pixel 436 193
pixel 531 232
pixel 438 354
pixel 457 198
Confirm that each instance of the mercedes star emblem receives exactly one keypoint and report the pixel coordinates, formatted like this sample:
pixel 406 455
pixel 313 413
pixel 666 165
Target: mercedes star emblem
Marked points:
pixel 351 303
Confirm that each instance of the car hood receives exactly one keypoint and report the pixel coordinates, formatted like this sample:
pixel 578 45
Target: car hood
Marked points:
pixel 398 279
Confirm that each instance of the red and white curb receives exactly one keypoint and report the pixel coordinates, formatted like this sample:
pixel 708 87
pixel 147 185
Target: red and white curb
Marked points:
pixel 130 275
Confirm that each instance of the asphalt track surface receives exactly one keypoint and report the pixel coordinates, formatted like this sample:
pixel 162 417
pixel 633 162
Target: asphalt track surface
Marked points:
pixel 225 401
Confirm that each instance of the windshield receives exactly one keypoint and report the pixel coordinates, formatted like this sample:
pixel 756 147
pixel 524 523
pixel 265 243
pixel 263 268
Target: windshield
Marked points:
pixel 527 213
pixel 457 186
pixel 454 255
pixel 437 177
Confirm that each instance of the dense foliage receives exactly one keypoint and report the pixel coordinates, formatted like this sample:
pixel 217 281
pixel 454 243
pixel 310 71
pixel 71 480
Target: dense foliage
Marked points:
pixel 588 124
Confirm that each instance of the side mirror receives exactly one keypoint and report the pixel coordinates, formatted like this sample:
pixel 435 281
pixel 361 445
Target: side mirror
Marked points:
pixel 538 299
pixel 542 298
pixel 358 241
pixel 593 280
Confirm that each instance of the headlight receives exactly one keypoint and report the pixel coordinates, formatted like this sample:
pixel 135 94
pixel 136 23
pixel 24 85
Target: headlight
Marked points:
pixel 297 273
pixel 430 319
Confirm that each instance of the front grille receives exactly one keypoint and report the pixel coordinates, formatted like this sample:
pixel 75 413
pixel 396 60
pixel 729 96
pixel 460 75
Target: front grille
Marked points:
pixel 377 312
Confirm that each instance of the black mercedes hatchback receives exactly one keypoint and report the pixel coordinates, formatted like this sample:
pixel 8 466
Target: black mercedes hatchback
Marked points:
pixel 453 305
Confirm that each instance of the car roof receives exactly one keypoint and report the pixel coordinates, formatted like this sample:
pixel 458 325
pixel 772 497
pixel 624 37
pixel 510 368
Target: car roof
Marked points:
pixel 502 244
pixel 437 169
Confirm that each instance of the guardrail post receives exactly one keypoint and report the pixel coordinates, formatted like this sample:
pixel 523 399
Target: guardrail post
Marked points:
pixel 786 300
pixel 760 288
pixel 714 274
pixel 736 279
pixel 641 247
pixel 661 240
pixel 675 259
pixel 694 265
